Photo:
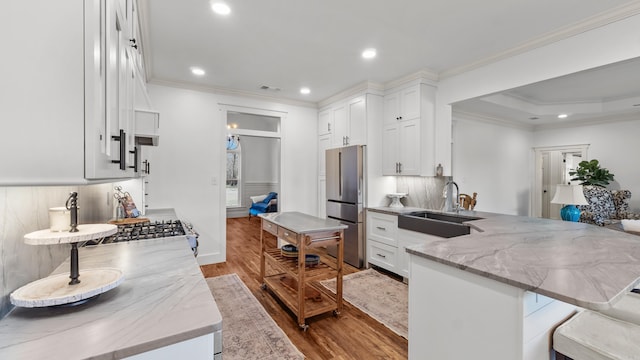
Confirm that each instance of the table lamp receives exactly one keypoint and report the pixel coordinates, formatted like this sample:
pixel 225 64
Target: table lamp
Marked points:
pixel 570 196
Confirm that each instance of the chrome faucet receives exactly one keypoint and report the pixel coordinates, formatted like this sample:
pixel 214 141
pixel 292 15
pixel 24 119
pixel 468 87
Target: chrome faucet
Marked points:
pixel 445 193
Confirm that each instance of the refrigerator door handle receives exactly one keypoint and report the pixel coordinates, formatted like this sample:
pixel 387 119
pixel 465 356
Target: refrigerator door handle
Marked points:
pixel 340 173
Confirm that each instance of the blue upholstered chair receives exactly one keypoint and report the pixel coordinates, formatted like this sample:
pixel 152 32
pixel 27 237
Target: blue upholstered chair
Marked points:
pixel 263 204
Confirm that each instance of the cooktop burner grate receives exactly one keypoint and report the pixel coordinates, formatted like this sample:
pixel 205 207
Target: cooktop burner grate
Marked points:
pixel 145 230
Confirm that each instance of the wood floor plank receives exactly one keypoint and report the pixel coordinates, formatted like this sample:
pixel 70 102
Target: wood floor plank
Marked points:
pixel 352 335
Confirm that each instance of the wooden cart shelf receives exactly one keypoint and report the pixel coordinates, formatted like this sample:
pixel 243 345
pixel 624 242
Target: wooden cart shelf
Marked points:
pixel 295 284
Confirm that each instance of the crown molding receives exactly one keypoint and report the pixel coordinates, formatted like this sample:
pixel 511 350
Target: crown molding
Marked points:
pixel 593 22
pixel 464 115
pixel 363 87
pixel 230 92
pixel 424 75
pixel 601 120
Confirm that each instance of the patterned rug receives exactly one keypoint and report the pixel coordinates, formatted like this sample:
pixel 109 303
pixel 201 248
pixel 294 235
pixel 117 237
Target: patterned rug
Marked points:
pixel 248 332
pixel 379 296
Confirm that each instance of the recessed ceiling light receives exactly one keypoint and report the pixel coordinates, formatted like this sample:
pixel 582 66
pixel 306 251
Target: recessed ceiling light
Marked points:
pixel 220 8
pixel 369 53
pixel 305 90
pixel 197 71
pixel 562 116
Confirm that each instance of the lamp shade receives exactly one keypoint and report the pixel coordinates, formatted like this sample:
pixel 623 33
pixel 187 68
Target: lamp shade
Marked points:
pixel 569 195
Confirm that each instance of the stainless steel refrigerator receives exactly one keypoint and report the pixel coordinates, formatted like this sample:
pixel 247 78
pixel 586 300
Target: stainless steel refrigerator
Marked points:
pixel 345 199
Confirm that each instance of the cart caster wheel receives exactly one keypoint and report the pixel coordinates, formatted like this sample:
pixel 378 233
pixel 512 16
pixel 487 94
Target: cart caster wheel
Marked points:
pixel 336 313
pixel 263 286
pixel 304 327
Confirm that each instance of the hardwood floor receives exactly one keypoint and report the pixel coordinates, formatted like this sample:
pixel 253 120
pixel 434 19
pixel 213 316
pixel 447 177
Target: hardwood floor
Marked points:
pixel 352 335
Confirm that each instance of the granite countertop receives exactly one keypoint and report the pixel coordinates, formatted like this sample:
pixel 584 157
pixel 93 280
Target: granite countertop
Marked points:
pixel 581 264
pixel 302 223
pixel 163 299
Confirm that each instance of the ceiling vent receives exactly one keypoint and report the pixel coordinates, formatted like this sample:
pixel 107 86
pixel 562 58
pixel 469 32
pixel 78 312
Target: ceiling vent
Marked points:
pixel 269 88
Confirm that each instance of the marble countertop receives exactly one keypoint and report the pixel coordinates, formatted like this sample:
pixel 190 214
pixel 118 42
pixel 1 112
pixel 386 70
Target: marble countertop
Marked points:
pixel 163 299
pixel 302 223
pixel 581 264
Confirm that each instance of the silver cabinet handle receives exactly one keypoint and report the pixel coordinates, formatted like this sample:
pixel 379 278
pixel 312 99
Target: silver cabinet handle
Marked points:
pixel 399 168
pixel 382 256
pixel 286 234
pixel 329 127
pixel 381 228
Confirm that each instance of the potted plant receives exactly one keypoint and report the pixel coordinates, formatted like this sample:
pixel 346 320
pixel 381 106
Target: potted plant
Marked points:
pixel 590 173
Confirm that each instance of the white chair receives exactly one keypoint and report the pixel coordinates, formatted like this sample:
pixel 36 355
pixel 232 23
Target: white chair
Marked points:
pixel 590 335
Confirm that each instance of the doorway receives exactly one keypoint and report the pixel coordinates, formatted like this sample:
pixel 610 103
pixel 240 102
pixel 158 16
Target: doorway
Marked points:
pixel 552 166
pixel 252 157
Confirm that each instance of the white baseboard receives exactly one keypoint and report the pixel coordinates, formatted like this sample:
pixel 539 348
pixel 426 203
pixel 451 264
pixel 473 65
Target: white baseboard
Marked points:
pixel 211 258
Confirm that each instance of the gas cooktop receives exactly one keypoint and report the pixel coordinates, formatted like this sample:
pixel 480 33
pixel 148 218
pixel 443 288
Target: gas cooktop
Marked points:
pixel 142 231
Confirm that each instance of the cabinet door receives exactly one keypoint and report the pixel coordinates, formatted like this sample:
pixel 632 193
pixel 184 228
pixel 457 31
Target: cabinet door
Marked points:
pixel 409 147
pixel 324 143
pixel 357 121
pixel 410 103
pixel 406 239
pixel 325 122
pixel 339 132
pixel 390 149
pixel 322 197
pixel 391 108
pixel 118 90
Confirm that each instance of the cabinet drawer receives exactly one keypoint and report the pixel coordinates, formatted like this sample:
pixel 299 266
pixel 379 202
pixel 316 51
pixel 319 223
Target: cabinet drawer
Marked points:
pixel 287 235
pixel 382 228
pixel 270 227
pixel 382 255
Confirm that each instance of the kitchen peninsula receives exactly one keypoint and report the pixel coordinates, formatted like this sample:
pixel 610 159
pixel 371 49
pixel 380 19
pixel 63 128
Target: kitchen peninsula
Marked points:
pixel 163 307
pixel 499 293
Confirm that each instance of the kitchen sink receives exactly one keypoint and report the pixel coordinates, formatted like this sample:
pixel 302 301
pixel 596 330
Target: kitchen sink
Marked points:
pixel 435 223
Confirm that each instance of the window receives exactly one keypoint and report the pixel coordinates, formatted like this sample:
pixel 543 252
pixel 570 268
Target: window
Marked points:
pixel 233 171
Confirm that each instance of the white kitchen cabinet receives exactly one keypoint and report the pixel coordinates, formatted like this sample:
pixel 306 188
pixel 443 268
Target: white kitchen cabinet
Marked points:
pixel 57 94
pixel 325 122
pixel 382 243
pixel 408 141
pixel 324 143
pixel 408 238
pixel 345 121
pixel 340 126
pixel 322 197
pixel 493 319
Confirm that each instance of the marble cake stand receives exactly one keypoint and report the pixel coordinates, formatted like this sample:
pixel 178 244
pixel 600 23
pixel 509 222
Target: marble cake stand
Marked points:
pixel 395 199
pixel 56 289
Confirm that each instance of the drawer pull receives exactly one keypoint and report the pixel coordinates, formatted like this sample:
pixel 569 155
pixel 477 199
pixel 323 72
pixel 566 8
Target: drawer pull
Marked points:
pixel 286 234
pixel 269 225
pixel 381 228
pixel 382 256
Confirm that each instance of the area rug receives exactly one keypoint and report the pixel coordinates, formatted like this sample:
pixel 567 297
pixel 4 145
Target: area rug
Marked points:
pixel 248 332
pixel 377 295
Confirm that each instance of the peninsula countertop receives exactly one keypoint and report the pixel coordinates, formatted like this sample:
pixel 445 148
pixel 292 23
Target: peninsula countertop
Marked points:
pixel 302 223
pixel 580 264
pixel 163 300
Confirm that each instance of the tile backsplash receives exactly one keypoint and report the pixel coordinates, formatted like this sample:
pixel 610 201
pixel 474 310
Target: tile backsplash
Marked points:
pixel 423 192
pixel 26 209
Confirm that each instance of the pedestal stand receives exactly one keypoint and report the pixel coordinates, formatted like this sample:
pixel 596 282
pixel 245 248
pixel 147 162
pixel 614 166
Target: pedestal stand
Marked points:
pixel 52 290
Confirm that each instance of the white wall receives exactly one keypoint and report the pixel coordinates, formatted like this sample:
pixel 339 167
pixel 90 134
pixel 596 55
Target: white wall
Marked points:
pixel 496 162
pixel 614 144
pixel 604 45
pixel 189 164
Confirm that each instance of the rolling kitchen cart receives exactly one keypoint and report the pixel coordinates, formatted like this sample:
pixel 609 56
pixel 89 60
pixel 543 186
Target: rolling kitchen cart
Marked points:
pixel 295 283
